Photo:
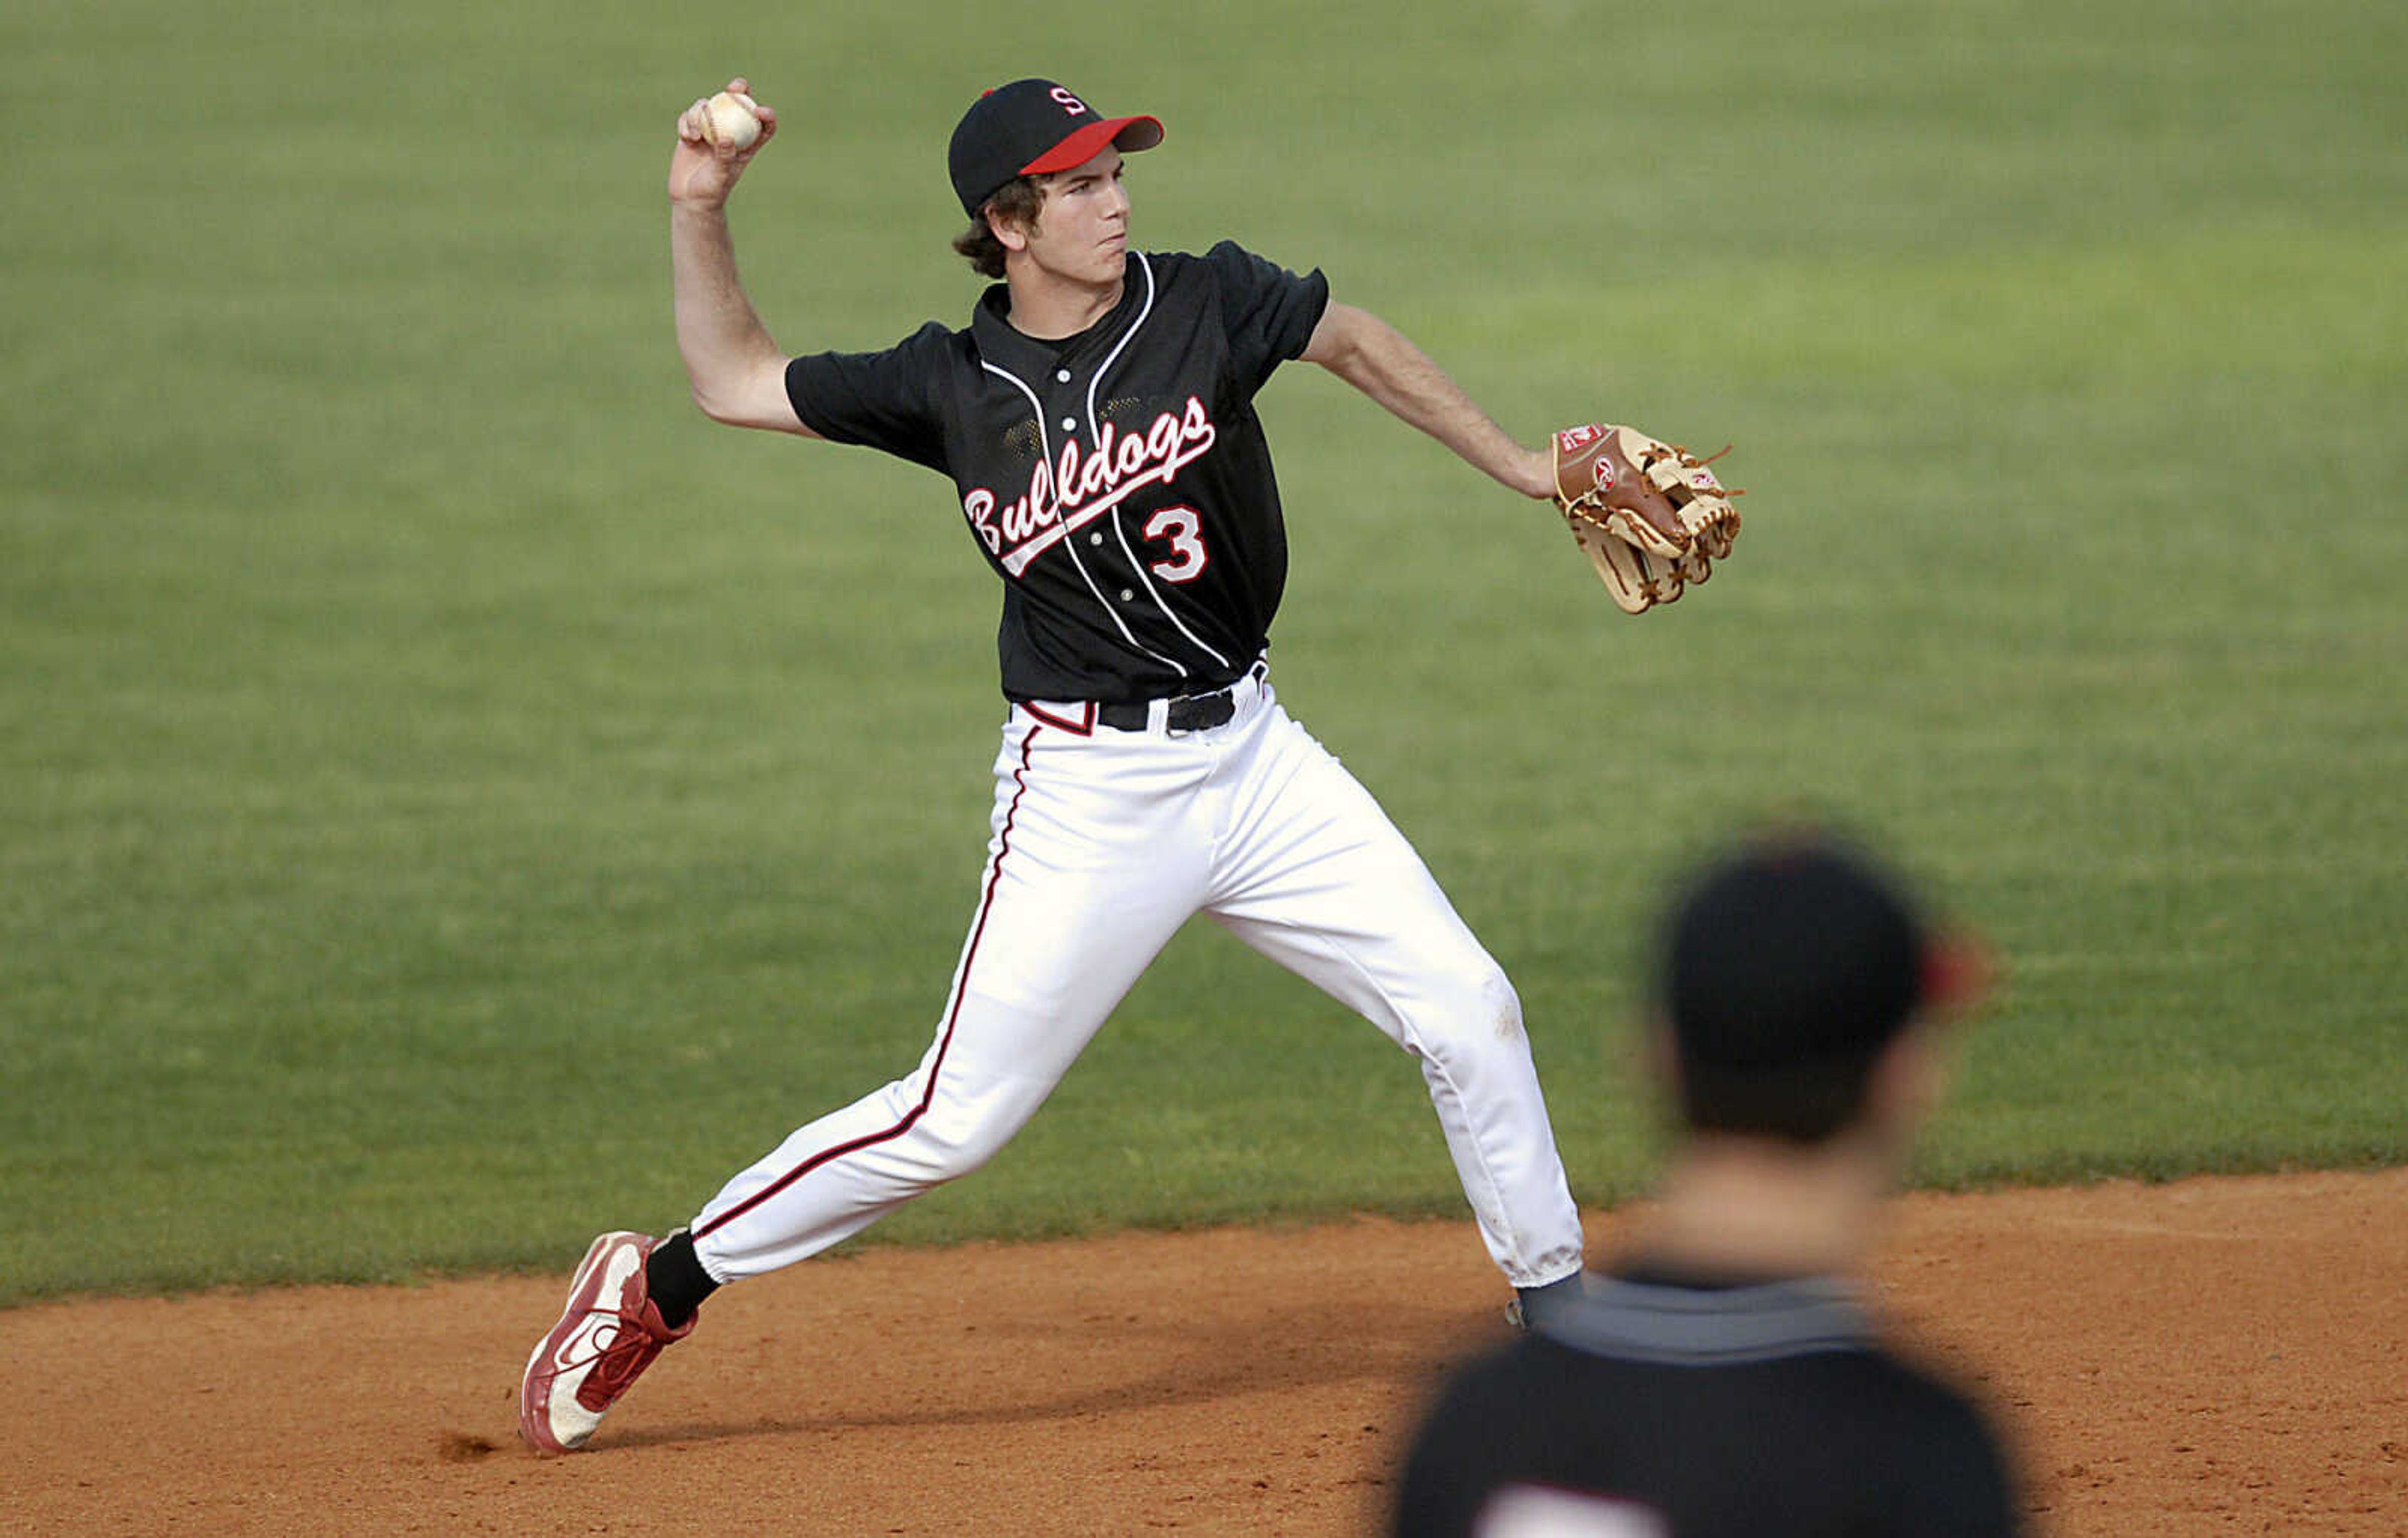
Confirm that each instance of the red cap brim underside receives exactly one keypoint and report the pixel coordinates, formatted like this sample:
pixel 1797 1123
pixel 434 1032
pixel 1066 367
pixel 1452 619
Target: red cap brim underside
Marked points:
pixel 1128 133
pixel 1958 972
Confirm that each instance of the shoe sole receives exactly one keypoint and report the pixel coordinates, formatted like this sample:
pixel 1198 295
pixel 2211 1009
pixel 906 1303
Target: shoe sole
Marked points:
pixel 535 1387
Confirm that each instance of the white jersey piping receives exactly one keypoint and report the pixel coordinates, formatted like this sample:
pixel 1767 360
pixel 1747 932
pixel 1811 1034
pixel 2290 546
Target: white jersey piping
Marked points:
pixel 1095 439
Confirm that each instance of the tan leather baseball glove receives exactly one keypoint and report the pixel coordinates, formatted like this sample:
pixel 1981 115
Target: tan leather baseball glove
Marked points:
pixel 1652 516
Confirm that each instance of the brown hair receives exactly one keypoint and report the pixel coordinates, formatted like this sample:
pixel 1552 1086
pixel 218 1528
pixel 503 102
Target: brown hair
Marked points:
pixel 1017 202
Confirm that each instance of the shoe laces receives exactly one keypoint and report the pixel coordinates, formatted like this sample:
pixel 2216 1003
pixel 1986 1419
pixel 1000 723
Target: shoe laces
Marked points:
pixel 633 1345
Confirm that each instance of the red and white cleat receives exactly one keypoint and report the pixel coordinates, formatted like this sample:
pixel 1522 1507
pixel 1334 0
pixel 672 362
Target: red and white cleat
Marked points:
pixel 607 1335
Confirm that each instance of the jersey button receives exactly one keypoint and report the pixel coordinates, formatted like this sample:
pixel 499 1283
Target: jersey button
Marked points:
pixel 1095 539
pixel 1127 594
pixel 1069 424
pixel 1063 374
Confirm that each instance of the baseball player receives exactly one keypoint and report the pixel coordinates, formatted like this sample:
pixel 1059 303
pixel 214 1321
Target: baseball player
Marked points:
pixel 1725 1379
pixel 1095 421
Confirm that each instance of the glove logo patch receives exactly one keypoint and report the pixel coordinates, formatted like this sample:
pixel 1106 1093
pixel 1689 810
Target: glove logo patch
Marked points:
pixel 1571 440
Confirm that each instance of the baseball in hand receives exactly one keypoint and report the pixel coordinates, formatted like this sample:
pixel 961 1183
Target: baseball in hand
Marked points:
pixel 731 121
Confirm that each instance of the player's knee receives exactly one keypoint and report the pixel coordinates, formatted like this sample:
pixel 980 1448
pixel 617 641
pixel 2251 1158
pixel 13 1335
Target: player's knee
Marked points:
pixel 1504 1005
pixel 1498 1009
pixel 958 1156
pixel 959 1136
pixel 1475 1008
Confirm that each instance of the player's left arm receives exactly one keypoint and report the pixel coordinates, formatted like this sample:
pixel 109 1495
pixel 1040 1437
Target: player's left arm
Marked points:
pixel 1381 362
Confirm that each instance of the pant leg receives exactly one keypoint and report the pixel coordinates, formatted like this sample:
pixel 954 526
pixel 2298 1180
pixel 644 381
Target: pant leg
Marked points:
pixel 1094 863
pixel 1312 874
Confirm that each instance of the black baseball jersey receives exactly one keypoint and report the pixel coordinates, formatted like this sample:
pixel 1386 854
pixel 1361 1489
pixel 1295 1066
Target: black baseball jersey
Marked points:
pixel 1118 480
pixel 1659 1408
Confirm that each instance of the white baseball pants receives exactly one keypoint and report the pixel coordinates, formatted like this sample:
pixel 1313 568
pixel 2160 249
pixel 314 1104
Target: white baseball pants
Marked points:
pixel 1104 841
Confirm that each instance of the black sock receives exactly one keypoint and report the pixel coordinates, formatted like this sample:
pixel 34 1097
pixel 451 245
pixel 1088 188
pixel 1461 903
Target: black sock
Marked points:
pixel 675 1277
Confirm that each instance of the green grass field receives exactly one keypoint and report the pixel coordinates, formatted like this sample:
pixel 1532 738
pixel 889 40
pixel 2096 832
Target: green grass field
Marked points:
pixel 453 799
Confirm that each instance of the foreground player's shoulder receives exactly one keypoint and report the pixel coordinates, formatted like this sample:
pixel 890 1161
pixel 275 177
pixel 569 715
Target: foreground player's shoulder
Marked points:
pixel 1948 1468
pixel 1480 1403
pixel 1479 1433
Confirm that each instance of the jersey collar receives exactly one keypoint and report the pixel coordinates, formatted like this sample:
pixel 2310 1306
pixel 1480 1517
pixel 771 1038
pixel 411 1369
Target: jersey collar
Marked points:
pixel 1715 1325
pixel 1007 347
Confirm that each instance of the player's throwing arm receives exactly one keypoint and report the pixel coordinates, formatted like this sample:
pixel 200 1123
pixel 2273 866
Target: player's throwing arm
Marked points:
pixel 736 368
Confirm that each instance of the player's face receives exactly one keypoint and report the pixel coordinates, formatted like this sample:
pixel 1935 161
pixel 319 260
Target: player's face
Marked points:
pixel 1081 231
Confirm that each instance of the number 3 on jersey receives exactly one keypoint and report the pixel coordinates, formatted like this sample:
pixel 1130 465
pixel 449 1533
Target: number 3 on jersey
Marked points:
pixel 1183 528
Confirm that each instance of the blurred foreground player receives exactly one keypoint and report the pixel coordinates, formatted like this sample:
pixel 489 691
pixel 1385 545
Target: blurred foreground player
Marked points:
pixel 1725 1379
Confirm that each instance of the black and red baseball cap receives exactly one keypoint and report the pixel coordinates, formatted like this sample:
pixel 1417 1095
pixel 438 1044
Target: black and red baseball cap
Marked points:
pixel 1797 948
pixel 1031 128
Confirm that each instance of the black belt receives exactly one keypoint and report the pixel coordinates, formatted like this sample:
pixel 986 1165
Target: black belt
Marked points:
pixel 1188 713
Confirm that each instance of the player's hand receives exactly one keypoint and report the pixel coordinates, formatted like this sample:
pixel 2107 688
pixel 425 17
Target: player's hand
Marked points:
pixel 702 173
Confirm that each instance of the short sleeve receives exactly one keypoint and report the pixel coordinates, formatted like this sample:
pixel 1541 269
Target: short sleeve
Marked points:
pixel 878 400
pixel 1268 310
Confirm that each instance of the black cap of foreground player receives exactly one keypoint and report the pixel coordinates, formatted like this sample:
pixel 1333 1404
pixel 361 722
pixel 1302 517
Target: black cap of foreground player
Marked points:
pixel 1031 128
pixel 1797 951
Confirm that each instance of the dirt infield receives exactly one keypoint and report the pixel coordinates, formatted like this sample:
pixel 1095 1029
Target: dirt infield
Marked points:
pixel 2210 1356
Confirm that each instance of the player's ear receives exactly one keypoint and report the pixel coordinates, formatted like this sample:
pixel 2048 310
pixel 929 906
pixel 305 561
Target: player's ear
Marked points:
pixel 1006 229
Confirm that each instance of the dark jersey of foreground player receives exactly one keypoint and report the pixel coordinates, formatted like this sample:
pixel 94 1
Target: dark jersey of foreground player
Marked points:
pixel 1665 1407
